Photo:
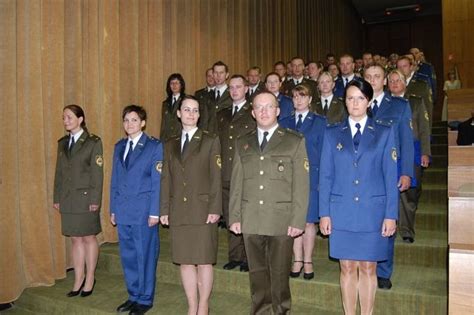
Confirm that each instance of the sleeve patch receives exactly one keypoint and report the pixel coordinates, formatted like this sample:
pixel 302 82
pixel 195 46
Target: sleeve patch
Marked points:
pixel 99 160
pixel 159 166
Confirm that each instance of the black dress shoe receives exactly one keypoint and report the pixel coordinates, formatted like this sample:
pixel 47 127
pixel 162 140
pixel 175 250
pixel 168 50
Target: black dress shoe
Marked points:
pixel 139 309
pixel 309 275
pixel 87 293
pixel 232 264
pixel 244 267
pixel 384 283
pixel 75 293
pixel 296 274
pixel 408 239
pixel 126 306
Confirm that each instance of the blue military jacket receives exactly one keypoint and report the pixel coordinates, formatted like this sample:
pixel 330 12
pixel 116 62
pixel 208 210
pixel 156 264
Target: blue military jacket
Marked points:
pixel 286 106
pixel 358 189
pixel 135 191
pixel 396 111
pixel 313 128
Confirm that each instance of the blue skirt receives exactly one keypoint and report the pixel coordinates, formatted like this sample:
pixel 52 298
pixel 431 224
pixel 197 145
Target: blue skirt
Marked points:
pixel 362 246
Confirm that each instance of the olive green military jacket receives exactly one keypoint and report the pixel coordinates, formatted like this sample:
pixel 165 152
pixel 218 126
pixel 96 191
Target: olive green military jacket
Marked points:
pixel 269 189
pixel 191 183
pixel 229 129
pixel 79 174
pixel 214 106
pixel 422 89
pixel 170 123
pixel 337 110
pixel 420 123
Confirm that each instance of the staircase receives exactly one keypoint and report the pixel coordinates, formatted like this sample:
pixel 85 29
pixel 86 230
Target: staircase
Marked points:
pixel 419 279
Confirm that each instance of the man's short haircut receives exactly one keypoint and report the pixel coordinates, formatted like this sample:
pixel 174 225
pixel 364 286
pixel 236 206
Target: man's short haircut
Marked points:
pixel 239 76
pixel 255 68
pixel 220 63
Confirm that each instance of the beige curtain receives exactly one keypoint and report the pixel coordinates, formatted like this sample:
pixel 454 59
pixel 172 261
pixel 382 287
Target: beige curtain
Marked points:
pixel 103 55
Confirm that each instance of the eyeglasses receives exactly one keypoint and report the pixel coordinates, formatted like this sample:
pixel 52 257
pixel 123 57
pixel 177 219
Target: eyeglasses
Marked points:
pixel 261 108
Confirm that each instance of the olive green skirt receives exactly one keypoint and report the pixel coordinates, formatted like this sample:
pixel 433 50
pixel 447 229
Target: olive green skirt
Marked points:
pixel 80 224
pixel 194 244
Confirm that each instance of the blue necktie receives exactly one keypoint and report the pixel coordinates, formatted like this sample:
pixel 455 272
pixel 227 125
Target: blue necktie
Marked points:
pixel 299 123
pixel 375 108
pixel 130 150
pixel 357 136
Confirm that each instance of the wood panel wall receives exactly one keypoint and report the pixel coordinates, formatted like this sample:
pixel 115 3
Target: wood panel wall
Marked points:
pixel 458 27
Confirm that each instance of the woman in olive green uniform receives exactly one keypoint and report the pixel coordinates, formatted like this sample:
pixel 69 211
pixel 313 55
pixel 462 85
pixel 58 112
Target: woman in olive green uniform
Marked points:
pixel 78 194
pixel 191 204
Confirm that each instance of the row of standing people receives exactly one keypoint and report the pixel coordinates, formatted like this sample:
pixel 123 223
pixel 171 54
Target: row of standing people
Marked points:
pixel 138 235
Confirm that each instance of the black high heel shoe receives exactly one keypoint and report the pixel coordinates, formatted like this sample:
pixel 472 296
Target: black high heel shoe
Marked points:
pixel 75 293
pixel 309 275
pixel 296 274
pixel 87 293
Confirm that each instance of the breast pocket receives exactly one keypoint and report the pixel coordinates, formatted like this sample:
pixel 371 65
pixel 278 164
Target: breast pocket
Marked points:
pixel 248 166
pixel 281 168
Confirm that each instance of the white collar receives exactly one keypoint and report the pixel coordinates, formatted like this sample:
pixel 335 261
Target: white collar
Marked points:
pixel 352 124
pixel 270 133
pixel 76 136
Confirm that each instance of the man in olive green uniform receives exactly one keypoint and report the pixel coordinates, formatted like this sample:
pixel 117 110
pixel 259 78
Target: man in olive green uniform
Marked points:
pixel 234 122
pixel 222 97
pixel 297 66
pixel 421 135
pixel 204 96
pixel 415 86
pixel 268 203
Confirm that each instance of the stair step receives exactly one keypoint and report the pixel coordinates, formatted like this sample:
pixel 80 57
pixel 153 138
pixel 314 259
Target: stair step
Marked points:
pixel 435 194
pixel 110 292
pixel 438 138
pixel 415 288
pixel 439 161
pixel 434 175
pixel 439 149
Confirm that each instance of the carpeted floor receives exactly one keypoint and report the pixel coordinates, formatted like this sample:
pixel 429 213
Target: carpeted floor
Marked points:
pixel 419 280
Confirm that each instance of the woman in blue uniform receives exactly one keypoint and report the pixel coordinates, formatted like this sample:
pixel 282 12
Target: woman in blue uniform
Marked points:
pixel 358 196
pixel 312 126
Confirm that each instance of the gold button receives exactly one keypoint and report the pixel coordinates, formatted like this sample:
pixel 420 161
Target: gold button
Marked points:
pixel 261 202
pixel 230 148
pixel 230 159
pixel 262 158
pixel 261 172
pixel 185 199
pixel 184 183
pixel 230 137
pixel 261 187
pixel 231 127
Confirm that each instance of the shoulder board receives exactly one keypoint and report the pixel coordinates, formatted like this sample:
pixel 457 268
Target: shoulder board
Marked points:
pixel 400 99
pixel 94 137
pixel 333 124
pixel 63 137
pixel 383 123
pixel 341 99
pixel 414 96
pixel 151 138
pixel 291 131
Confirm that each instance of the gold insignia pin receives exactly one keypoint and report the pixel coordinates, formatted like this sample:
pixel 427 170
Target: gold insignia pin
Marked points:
pixel 159 166
pixel 394 154
pixel 339 146
pixel 99 160
pixel 218 161
pixel 306 165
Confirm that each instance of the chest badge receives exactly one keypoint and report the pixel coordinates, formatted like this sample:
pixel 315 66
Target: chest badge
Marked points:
pixel 339 146
pixel 246 146
pixel 281 167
